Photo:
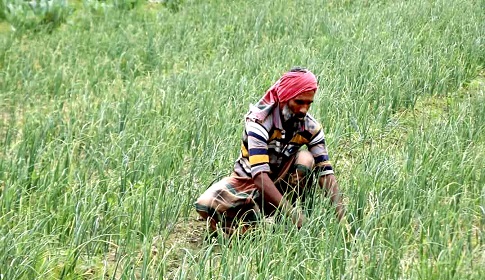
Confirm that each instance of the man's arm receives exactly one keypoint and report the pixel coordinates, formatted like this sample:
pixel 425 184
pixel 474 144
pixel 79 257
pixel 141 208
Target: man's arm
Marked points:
pixel 271 194
pixel 327 180
pixel 329 183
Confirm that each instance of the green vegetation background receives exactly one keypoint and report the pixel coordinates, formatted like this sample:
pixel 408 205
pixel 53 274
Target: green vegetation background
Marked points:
pixel 116 115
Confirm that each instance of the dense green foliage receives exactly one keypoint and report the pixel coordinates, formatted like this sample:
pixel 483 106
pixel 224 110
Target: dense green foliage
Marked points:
pixel 114 119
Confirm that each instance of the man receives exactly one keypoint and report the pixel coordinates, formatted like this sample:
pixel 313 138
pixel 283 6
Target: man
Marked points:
pixel 272 171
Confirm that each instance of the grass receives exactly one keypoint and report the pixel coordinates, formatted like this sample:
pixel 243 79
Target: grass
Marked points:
pixel 113 122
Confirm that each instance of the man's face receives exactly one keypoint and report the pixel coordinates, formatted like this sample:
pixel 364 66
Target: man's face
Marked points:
pixel 300 105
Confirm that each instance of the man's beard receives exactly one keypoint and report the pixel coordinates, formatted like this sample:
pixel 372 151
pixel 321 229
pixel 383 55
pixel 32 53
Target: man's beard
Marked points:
pixel 288 115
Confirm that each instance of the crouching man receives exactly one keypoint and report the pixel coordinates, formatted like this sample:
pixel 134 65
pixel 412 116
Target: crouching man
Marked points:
pixel 273 171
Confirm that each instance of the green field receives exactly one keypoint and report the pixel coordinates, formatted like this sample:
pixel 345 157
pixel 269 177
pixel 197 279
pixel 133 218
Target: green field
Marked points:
pixel 115 117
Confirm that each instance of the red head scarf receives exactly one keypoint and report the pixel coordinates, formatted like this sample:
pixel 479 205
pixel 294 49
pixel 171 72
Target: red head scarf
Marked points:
pixel 289 86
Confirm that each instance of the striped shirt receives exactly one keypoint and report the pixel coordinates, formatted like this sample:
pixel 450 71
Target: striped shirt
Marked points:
pixel 266 145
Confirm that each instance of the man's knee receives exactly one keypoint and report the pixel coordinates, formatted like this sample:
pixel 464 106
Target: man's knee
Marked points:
pixel 302 169
pixel 305 158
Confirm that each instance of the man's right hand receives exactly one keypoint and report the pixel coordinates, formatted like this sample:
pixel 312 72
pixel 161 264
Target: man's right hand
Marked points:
pixel 298 218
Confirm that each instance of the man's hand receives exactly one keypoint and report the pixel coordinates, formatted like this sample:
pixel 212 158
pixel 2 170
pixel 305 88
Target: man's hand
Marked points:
pixel 329 183
pixel 298 218
pixel 271 194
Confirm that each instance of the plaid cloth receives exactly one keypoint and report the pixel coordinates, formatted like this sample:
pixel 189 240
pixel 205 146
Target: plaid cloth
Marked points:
pixel 235 202
pixel 232 202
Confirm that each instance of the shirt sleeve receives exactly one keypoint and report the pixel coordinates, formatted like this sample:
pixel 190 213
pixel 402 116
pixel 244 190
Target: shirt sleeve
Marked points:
pixel 257 148
pixel 320 154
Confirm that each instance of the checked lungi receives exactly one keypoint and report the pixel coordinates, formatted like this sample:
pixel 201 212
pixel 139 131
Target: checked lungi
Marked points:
pixel 236 203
